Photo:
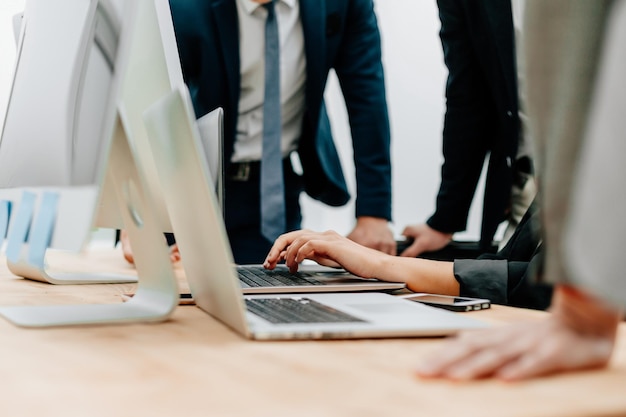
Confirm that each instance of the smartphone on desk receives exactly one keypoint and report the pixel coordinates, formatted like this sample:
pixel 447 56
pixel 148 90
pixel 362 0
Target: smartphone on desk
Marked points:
pixel 449 302
pixel 185 299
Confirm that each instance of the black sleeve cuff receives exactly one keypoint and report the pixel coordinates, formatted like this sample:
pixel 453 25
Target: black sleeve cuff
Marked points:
pixel 443 224
pixel 482 279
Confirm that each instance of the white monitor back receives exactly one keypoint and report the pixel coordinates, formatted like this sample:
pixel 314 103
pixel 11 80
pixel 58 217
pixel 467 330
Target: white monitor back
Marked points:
pixel 52 136
pixel 55 133
pixel 156 295
pixel 59 94
pixel 153 68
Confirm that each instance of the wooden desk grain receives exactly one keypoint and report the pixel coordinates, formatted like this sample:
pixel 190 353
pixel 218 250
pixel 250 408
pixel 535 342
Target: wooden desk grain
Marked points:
pixel 194 366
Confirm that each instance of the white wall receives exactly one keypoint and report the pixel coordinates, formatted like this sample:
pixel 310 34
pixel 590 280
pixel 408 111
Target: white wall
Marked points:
pixel 7 49
pixel 415 77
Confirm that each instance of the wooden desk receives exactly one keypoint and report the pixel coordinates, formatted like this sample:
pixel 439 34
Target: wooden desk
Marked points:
pixel 194 366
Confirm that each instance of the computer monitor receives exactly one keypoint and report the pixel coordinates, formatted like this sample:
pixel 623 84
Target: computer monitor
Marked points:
pixel 57 100
pixel 55 116
pixel 112 162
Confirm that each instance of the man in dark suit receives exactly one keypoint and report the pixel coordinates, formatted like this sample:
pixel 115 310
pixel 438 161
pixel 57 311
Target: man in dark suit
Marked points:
pixel 221 50
pixel 482 117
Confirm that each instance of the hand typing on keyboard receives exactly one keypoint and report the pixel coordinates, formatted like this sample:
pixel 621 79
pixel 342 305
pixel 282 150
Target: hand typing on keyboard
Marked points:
pixel 331 249
pixel 327 248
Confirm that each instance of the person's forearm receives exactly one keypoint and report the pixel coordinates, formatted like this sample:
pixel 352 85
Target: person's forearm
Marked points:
pixel 420 275
pixel 584 312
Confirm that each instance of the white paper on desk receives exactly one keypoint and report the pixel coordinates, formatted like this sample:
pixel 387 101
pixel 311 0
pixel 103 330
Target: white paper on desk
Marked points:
pixel 210 127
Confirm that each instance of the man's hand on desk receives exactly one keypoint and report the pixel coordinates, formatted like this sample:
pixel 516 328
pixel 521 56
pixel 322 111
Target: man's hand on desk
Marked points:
pixel 425 239
pixel 374 232
pixel 128 252
pixel 579 334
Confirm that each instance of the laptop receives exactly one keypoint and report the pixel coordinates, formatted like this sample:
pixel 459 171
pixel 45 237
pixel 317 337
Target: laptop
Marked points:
pixel 254 279
pixel 212 277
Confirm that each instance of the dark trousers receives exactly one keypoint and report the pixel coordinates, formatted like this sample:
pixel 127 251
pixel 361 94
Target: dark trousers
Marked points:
pixel 242 210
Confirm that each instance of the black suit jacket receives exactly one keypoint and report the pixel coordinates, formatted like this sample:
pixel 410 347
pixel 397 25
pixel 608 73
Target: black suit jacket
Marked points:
pixel 338 34
pixel 481 112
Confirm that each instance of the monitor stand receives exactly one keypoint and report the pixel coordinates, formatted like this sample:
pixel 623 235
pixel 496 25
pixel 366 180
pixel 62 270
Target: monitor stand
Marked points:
pixel 157 290
pixel 28 259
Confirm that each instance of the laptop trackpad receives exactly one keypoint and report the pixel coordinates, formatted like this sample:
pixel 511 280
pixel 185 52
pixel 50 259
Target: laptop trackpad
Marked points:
pixel 385 308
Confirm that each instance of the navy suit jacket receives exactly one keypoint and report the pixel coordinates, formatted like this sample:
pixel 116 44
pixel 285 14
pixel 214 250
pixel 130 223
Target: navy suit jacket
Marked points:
pixel 338 34
pixel 481 112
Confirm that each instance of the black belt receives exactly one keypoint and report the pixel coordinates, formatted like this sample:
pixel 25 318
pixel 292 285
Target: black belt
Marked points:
pixel 246 171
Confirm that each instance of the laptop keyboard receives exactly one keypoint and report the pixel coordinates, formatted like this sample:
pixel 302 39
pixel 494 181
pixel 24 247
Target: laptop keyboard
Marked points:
pixel 253 276
pixel 296 310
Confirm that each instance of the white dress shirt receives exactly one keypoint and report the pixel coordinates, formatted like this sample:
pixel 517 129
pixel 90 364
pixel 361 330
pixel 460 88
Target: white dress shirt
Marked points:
pixel 252 16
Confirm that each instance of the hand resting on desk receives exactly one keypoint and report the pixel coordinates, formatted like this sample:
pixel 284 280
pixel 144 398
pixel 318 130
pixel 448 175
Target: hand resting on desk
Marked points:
pixel 579 334
pixel 373 232
pixel 424 239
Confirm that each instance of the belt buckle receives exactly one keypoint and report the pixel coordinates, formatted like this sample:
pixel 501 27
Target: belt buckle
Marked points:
pixel 243 172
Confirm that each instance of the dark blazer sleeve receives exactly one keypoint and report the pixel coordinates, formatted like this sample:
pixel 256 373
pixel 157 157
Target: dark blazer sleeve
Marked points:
pixel 359 68
pixel 187 17
pixel 468 123
pixel 485 278
pixel 507 277
pixel 503 281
